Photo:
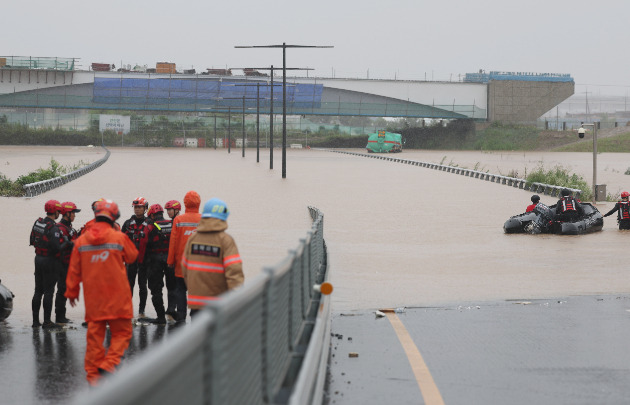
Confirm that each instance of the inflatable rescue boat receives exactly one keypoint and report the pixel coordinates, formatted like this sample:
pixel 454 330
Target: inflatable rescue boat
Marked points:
pixel 6 302
pixel 542 220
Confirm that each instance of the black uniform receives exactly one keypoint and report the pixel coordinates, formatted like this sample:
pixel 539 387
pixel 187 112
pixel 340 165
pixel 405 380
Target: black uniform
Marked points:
pixel 45 237
pixel 568 209
pixel 68 235
pixel 134 228
pixel 623 214
pixel 154 252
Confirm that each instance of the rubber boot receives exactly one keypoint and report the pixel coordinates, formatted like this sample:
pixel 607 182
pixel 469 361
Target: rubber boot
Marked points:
pixel 161 316
pixel 36 323
pixel 61 316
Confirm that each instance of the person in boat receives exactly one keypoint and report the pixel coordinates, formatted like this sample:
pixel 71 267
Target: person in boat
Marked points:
pixel 622 208
pixel 568 208
pixel 535 200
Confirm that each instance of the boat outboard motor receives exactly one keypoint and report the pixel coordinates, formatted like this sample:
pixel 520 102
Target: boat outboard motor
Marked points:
pixel 544 217
pixel 6 302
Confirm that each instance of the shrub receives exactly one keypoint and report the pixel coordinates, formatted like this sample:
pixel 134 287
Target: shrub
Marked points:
pixel 560 176
pixel 15 188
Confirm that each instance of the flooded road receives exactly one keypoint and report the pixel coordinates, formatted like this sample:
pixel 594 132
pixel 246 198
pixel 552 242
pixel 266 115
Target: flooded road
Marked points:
pixel 397 235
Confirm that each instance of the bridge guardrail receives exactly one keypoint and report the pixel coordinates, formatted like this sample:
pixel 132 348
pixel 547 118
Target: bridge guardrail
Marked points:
pixel 40 187
pixel 265 343
pixel 540 188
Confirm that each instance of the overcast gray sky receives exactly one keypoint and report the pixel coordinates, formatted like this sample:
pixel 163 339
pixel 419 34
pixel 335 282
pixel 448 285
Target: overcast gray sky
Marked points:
pixel 405 39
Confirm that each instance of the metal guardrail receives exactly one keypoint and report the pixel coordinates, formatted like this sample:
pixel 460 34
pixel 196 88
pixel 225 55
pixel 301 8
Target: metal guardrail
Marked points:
pixel 40 187
pixel 539 188
pixel 265 343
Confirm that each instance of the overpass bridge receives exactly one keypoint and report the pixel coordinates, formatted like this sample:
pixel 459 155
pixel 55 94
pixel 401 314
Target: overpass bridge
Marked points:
pixel 497 96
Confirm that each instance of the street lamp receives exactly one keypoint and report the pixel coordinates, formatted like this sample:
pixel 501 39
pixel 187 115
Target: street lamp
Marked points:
pixel 581 131
pixel 284 47
pixel 271 85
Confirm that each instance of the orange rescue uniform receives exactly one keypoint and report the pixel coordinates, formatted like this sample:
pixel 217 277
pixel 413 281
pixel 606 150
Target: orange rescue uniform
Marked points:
pixel 98 261
pixel 184 225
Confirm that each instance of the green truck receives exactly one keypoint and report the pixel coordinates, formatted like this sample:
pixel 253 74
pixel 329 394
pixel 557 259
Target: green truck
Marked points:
pixel 384 142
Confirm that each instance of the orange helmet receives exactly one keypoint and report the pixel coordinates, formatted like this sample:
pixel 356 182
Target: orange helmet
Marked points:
pixel 94 203
pixel 52 206
pixel 68 207
pixel 107 209
pixel 155 208
pixel 625 194
pixel 174 204
pixel 140 201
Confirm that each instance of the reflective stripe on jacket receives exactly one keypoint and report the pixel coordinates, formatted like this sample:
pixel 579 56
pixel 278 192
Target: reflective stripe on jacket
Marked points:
pixel 211 264
pixel 184 226
pixel 98 261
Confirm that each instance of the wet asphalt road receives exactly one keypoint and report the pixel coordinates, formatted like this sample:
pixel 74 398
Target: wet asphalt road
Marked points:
pixel 570 350
pixel 39 366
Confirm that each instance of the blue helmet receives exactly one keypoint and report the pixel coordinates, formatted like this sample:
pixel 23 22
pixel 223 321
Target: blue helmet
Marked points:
pixel 215 208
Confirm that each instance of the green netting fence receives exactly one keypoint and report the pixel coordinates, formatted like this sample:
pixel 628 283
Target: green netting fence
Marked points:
pixel 37 62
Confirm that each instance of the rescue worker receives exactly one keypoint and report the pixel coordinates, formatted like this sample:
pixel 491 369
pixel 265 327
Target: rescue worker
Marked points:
pixel 45 238
pixel 184 226
pixel 211 264
pixel 568 208
pixel 153 253
pixel 97 261
pixel 68 236
pixel 134 228
pixel 172 208
pixel 91 221
pixel 623 211
pixel 535 199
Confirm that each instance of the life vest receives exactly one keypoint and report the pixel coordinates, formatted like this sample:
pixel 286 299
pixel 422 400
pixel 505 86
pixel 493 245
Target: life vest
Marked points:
pixel 567 205
pixel 135 230
pixel 67 231
pixel 40 236
pixel 624 210
pixel 159 241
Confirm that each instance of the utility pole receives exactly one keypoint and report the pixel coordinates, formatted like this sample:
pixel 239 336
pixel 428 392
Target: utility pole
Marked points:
pixel 284 47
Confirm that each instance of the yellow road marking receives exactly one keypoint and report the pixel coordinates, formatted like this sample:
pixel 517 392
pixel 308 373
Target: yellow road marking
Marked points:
pixel 429 390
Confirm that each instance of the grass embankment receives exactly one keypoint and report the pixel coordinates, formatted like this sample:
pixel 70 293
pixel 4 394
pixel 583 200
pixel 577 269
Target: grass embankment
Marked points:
pixel 613 144
pixel 10 188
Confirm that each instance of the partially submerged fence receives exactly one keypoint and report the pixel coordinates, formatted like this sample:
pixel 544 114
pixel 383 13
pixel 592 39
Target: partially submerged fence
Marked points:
pixel 541 188
pixel 265 343
pixel 40 187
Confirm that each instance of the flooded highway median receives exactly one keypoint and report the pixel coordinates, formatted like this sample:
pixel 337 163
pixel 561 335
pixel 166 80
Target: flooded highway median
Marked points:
pixel 397 235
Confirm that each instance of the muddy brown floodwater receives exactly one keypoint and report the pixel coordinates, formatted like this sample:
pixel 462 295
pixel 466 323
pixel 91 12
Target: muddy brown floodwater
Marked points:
pixel 398 235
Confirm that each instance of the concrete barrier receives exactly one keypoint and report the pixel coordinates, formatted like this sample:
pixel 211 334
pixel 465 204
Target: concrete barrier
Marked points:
pixel 40 187
pixel 522 184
